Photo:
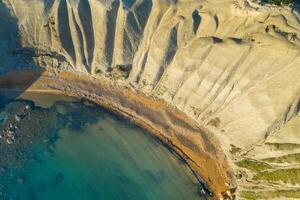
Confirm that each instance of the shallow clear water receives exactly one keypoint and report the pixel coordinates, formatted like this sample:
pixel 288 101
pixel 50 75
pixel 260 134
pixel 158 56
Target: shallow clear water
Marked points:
pixel 76 150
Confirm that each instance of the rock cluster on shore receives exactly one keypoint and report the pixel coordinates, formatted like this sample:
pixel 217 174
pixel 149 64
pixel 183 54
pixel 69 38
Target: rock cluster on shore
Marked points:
pixel 9 133
pixel 23 130
pixel 232 65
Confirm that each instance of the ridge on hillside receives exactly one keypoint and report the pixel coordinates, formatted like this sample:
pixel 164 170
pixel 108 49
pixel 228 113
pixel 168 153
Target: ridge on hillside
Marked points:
pixel 232 65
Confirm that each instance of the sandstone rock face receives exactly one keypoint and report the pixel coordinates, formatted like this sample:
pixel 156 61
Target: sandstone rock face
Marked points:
pixel 234 66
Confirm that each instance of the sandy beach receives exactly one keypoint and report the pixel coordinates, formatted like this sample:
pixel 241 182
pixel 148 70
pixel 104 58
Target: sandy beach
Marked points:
pixel 196 146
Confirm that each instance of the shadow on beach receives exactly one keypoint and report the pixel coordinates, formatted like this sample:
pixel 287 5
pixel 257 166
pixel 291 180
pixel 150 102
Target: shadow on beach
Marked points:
pixel 13 84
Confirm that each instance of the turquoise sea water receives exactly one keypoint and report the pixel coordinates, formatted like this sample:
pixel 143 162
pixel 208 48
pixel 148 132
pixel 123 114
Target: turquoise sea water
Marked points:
pixel 79 151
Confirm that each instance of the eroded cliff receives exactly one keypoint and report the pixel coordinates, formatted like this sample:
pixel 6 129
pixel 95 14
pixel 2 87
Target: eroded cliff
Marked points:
pixel 233 66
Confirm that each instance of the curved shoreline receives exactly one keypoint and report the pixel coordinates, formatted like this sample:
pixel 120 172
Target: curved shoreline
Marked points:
pixel 196 146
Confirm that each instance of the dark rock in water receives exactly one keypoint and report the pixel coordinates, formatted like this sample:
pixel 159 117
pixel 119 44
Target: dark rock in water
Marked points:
pixel 124 179
pixel 24 129
pixel 2 170
pixel 158 177
pixel 201 191
pixel 33 159
pixel 21 181
pixel 76 111
pixel 59 178
pixel 51 148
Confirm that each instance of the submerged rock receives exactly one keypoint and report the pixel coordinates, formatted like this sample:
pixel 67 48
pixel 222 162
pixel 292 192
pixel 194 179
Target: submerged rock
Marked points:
pixel 21 181
pixel 59 178
pixel 21 133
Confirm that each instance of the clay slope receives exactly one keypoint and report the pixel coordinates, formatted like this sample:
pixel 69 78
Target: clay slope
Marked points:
pixel 234 66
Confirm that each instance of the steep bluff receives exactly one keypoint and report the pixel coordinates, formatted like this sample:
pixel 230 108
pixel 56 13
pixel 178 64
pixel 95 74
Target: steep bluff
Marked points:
pixel 233 66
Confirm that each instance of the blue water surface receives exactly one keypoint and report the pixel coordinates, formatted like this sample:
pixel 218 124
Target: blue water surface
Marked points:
pixel 87 154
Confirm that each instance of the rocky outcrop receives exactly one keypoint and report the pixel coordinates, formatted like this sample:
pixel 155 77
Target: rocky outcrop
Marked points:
pixel 233 66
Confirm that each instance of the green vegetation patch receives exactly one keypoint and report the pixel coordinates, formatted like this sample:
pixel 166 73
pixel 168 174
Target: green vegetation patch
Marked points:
pixel 291 158
pixel 121 71
pixel 291 176
pixel 281 2
pixel 270 194
pixel 214 122
pixel 235 150
pixel 283 146
pixel 253 165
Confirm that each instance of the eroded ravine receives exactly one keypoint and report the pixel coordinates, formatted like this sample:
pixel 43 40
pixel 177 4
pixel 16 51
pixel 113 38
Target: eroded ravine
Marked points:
pixel 233 66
